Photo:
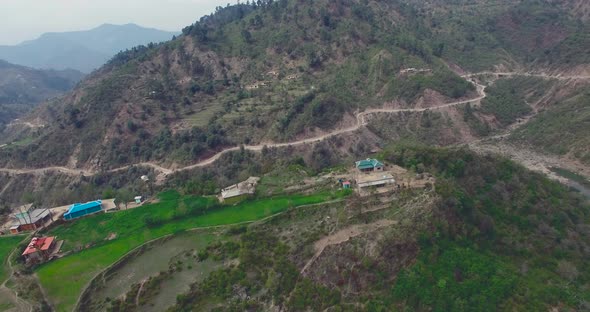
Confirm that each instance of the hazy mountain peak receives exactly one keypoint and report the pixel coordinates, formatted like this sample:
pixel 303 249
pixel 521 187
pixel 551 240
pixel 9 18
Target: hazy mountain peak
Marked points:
pixel 83 50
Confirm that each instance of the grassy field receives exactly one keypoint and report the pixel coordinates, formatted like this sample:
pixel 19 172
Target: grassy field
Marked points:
pixel 7 244
pixel 65 278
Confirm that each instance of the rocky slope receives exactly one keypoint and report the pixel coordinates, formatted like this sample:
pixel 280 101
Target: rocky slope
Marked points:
pixel 277 71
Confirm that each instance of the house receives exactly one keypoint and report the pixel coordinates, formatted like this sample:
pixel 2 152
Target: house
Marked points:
pixel 39 249
pixel 346 185
pixel 240 190
pixel 369 165
pixel 79 210
pixel 30 220
pixel 374 179
pixel 138 199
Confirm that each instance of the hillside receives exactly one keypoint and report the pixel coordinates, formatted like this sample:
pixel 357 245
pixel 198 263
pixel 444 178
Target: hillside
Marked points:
pixel 81 50
pixel 489 239
pixel 23 88
pixel 245 75
pixel 257 75
pixel 488 235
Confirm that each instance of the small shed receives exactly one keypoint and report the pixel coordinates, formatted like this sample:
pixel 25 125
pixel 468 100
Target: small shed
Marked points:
pixel 79 210
pixel 138 199
pixel 15 229
pixel 346 185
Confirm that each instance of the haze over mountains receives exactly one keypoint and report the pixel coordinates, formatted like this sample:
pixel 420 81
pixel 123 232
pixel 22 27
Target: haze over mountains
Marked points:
pixel 22 88
pixel 81 50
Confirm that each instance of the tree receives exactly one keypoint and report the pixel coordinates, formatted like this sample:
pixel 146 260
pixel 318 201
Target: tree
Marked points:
pixel 124 196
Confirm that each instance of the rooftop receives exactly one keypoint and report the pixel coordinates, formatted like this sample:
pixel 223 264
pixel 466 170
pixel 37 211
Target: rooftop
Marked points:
pixel 79 207
pixel 32 216
pixel 38 243
pixel 368 163
pixel 245 187
pixel 373 177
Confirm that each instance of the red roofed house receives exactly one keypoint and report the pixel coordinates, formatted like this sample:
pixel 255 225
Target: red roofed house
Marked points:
pixel 39 249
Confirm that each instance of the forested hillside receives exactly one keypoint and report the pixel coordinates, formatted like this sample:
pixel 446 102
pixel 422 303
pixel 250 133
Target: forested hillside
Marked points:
pixel 490 238
pixel 23 88
pixel 279 70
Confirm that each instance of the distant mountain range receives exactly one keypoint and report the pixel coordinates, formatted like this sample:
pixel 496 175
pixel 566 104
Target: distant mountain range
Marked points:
pixel 81 50
pixel 22 88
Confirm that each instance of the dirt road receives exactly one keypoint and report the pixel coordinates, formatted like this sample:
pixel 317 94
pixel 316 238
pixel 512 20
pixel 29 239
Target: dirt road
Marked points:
pixel 362 120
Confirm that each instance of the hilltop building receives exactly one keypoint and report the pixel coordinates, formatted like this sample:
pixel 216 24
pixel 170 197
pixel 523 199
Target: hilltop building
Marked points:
pixel 369 165
pixel 371 174
pixel 40 249
pixel 30 220
pixel 79 210
pixel 238 191
pixel 375 179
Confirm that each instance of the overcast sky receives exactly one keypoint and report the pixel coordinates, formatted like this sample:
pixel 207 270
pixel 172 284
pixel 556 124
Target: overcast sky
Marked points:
pixel 22 20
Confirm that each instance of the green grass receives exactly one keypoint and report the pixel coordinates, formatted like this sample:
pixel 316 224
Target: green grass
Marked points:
pixel 65 278
pixel 7 244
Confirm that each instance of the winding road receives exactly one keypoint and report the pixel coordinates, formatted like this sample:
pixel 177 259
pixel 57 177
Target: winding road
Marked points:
pixel 362 120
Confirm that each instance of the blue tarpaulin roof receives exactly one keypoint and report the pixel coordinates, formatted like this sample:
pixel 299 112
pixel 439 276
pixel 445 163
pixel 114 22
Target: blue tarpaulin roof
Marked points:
pixel 80 207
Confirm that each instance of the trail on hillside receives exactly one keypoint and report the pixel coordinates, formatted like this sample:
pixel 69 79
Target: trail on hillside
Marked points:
pixel 362 120
pixel 20 305
pixel 343 236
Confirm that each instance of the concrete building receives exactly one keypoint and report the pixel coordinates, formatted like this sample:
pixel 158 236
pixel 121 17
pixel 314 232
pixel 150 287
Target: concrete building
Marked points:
pixel 39 249
pixel 30 220
pixel 79 210
pixel 374 179
pixel 240 190
pixel 369 165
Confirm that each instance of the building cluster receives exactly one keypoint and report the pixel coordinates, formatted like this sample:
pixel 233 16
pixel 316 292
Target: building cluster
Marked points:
pixel 371 173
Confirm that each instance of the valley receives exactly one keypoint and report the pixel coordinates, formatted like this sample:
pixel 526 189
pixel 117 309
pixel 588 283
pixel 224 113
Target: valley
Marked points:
pixel 287 155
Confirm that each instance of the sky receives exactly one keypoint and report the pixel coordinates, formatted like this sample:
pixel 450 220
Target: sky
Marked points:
pixel 22 20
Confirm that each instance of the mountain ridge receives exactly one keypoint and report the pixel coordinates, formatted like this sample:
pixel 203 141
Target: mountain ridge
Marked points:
pixel 84 50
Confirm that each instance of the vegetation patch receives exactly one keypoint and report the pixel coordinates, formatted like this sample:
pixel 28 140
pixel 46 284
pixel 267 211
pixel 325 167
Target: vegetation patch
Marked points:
pixel 66 277
pixel 561 129
pixel 7 245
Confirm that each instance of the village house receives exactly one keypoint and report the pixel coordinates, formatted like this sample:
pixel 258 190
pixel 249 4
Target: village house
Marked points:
pixel 79 210
pixel 369 165
pixel 375 179
pixel 239 191
pixel 39 249
pixel 30 220
pixel 371 174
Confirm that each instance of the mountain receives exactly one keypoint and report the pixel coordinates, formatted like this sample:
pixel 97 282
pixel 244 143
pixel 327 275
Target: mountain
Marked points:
pixel 294 92
pixel 275 72
pixel 81 50
pixel 22 88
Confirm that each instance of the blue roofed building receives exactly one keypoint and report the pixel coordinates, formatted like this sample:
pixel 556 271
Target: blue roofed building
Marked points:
pixel 79 210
